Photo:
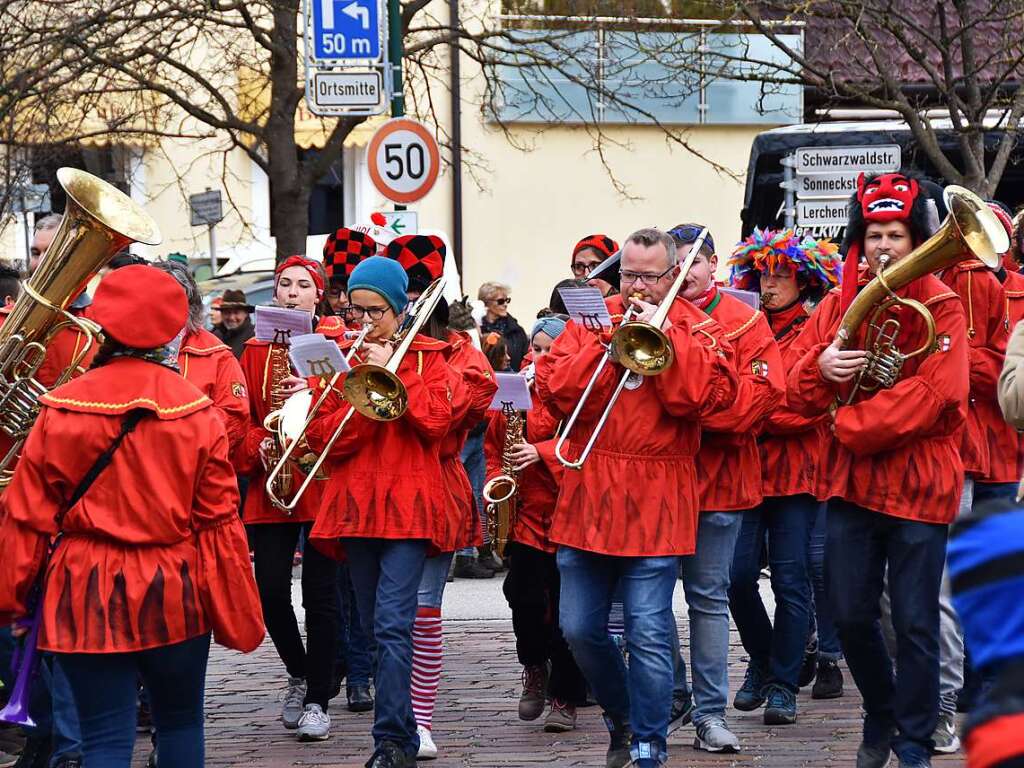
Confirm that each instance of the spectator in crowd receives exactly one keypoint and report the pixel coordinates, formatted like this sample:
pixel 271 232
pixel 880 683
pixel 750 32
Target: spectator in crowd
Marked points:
pixel 496 299
pixel 215 318
pixel 495 346
pixel 45 229
pixel 235 326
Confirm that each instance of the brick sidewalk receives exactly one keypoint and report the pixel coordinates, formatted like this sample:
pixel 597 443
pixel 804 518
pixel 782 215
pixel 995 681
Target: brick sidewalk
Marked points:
pixel 476 724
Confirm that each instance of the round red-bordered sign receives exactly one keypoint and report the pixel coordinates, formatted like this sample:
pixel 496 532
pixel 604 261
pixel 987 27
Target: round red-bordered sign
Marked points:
pixel 404 160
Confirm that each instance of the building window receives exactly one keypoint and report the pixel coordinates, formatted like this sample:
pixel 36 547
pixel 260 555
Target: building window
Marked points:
pixel 326 198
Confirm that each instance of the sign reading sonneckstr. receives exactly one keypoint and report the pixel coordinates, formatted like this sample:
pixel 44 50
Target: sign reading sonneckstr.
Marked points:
pixel 870 159
pixel 346 29
pixel 815 185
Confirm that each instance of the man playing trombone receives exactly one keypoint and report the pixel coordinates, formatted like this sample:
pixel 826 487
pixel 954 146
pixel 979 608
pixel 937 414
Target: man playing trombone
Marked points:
pixel 630 511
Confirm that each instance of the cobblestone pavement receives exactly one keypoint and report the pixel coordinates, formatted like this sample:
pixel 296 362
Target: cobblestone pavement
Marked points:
pixel 476 724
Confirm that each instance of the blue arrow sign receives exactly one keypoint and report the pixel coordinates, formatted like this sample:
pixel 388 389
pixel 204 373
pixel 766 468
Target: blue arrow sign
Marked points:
pixel 346 29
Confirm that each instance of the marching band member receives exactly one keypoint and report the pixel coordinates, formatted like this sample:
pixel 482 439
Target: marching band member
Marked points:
pixel 587 254
pixel 139 575
pixel 275 534
pixel 729 486
pixel 788 273
pixel 894 475
pixel 473 386
pixel 631 511
pixel 384 504
pixel 532 584
pixel 207 362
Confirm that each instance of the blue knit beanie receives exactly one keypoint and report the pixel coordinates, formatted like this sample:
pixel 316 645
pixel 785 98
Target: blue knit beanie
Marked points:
pixel 551 325
pixel 383 276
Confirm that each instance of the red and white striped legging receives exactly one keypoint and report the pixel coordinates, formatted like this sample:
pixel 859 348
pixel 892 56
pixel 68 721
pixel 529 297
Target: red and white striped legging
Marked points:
pixel 427 649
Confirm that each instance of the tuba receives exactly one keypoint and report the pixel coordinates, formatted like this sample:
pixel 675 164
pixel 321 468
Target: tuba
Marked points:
pixel 99 220
pixel 500 492
pixel 971 230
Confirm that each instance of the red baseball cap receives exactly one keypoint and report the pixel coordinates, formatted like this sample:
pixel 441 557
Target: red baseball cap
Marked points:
pixel 140 306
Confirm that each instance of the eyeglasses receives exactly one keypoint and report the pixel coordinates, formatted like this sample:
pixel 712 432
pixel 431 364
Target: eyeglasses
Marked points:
pixel 355 312
pixel 581 269
pixel 502 302
pixel 628 278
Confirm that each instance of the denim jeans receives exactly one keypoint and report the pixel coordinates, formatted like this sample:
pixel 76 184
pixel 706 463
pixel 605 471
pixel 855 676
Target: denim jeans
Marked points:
pixel 861 545
pixel 434 579
pixel 386 575
pixel 105 687
pixel 706 584
pixel 780 648
pixel 643 695
pixel 355 647
pixel 822 619
pixel 476 467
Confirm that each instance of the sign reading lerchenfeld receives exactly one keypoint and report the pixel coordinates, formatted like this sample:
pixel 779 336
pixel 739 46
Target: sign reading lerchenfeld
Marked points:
pixel 877 159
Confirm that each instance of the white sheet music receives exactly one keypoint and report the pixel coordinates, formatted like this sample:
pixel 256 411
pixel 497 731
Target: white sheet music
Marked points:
pixel 313 354
pixel 281 325
pixel 512 388
pixel 586 307
pixel 751 298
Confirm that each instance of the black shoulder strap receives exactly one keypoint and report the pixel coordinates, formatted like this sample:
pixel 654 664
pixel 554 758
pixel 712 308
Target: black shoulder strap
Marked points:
pixel 128 425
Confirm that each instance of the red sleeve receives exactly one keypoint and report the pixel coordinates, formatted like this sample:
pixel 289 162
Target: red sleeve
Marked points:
pixel 333 411
pixel 430 394
pixel 761 384
pixel 807 393
pixel 894 417
pixel 481 384
pixel 494 443
pixel 246 456
pixel 231 401
pixel 225 583
pixel 564 372
pixel 30 506
pixel 702 377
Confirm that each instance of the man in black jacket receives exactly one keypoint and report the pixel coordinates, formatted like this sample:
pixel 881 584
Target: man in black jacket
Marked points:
pixel 235 326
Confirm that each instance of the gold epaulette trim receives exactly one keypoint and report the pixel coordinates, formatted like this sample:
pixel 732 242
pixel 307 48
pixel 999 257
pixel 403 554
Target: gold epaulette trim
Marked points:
pixel 701 324
pixel 743 328
pixel 131 403
pixel 201 350
pixel 940 297
pixel 1014 294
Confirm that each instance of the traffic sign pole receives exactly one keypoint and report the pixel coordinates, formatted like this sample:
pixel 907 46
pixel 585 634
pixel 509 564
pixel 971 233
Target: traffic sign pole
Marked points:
pixel 396 49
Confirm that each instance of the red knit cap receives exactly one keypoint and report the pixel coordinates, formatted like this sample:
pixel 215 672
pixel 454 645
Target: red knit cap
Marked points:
pixel 140 306
pixel 309 265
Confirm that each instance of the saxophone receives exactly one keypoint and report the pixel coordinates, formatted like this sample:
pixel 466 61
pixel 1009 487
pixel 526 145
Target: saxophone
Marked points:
pixel 500 491
pixel 280 369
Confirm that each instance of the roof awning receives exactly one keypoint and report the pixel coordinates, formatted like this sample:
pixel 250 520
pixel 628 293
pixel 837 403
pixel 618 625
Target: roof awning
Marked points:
pixel 311 131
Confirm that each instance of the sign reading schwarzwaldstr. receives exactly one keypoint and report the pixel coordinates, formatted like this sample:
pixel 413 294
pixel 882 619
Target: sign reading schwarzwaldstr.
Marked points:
pixel 868 159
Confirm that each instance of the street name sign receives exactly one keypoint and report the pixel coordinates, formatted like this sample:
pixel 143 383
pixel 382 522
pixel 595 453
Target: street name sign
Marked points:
pixel 869 159
pixel 206 208
pixel 822 213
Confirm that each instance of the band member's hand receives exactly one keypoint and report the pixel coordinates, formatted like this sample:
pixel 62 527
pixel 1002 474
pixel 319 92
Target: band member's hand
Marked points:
pixel 19 629
pixel 646 312
pixel 292 384
pixel 523 455
pixel 840 365
pixel 266 446
pixel 378 354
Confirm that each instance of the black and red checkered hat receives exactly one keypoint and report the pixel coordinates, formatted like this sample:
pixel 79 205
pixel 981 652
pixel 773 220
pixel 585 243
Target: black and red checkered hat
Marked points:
pixel 603 244
pixel 344 249
pixel 422 257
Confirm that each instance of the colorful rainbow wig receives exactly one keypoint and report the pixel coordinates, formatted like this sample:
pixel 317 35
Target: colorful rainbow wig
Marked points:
pixel 815 262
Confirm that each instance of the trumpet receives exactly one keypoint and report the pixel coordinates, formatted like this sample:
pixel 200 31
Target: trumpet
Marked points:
pixel 642 348
pixel 971 230
pixel 378 390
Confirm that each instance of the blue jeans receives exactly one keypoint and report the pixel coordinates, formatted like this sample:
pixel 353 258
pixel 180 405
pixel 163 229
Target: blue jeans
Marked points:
pixel 476 467
pixel 780 649
pixel 105 687
pixel 355 651
pixel 706 584
pixel 861 544
pixel 822 619
pixel 386 574
pixel 643 695
pixel 434 579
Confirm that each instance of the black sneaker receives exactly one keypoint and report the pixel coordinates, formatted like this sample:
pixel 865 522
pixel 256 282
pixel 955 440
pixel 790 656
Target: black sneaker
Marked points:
pixel 682 712
pixel 71 761
pixel 359 698
pixel 750 696
pixel 809 667
pixel 468 568
pixel 829 682
pixel 620 741
pixel 874 755
pixel 390 755
pixel 35 754
pixel 780 705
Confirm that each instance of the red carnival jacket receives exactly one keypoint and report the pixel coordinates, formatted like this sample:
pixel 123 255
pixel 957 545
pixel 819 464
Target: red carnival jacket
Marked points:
pixel 790 444
pixel 538 484
pixel 982 298
pixel 1006 444
pixel 636 495
pixel 385 477
pixel 209 364
pixel 154 553
pixel 894 451
pixel 729 460
pixel 473 387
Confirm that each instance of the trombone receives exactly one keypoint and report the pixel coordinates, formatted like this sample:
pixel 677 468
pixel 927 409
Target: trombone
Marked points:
pixel 642 348
pixel 375 391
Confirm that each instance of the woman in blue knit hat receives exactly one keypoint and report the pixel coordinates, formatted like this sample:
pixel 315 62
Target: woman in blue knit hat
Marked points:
pixel 387 515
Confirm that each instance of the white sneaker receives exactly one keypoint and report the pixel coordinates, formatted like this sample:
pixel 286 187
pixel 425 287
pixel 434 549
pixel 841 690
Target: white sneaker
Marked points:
pixel 428 749
pixel 315 724
pixel 714 736
pixel 294 695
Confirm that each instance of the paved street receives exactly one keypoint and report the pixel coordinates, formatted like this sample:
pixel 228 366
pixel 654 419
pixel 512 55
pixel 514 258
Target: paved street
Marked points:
pixel 476 724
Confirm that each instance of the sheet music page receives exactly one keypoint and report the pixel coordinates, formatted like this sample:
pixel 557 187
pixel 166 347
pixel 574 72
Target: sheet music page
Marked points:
pixel 586 307
pixel 280 325
pixel 512 388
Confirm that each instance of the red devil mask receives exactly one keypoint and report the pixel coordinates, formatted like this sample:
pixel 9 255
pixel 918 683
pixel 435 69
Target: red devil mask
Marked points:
pixel 886 198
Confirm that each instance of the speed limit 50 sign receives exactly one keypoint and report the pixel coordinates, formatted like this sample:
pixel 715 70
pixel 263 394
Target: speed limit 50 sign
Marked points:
pixel 404 160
